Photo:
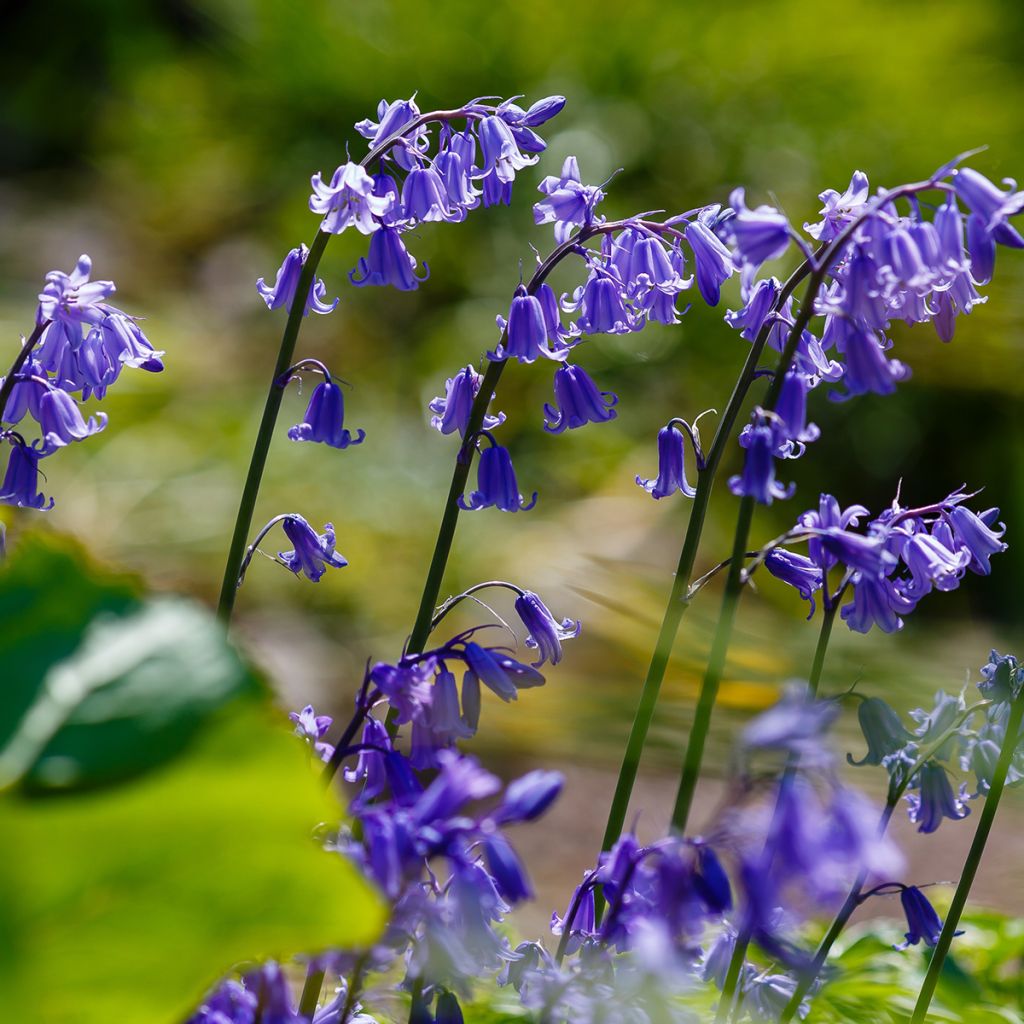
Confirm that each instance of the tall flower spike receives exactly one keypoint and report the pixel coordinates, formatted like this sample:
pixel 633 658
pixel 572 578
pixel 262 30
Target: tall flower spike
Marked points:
pixel 578 401
pixel 325 419
pixel 282 292
pixel 451 412
pixel 496 483
pixel 348 200
pixel 313 552
pixel 671 466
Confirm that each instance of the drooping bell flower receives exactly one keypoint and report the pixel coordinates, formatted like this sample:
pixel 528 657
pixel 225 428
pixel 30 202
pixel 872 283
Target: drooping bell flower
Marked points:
pixel 977 537
pixel 496 484
pixel 424 197
pixel 760 234
pixel 61 421
pixel 324 421
pixel 923 923
pixel 568 203
pixel 526 331
pixel 499 151
pixel 347 200
pixel 602 306
pixel 451 412
pixel 711 258
pixel 799 572
pixel 671 466
pixel 312 552
pixel 757 480
pixel 282 291
pixel 388 263
pixel 545 632
pixel 934 799
pixel 578 401
pixel 21 481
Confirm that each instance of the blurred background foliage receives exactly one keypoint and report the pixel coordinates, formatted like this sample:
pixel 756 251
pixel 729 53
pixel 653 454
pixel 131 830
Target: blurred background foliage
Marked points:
pixel 173 141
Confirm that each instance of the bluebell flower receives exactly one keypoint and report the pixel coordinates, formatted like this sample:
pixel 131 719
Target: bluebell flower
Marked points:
pixel 385 187
pixel 525 333
pixel 977 536
pixel 454 171
pixel 61 421
pixel 671 466
pixel 602 307
pixel 791 411
pixel 749 320
pixel 760 234
pixel 545 632
pixel 325 419
pixel 981 245
pixel 569 203
pixel 867 368
pixel 499 151
pixel 347 200
pixel 931 564
pixel 496 484
pixel 799 572
pixel 711 880
pixel 312 728
pixel 711 258
pixel 934 798
pixel 388 263
pixel 529 796
pixel 652 272
pixel 495 191
pixel 579 920
pixel 840 210
pixel 370 767
pixel 883 731
pixel 829 517
pixel 408 686
pixel 875 603
pixel 506 869
pixel 451 412
pixel 460 780
pixel 1001 678
pixel 758 477
pixel 391 118
pixel 578 401
pixel 503 675
pixel 425 198
pixel 126 345
pixel 313 552
pixel 986 199
pixel 282 292
pixel 922 921
pixel 538 113
pixel 72 299
pixel 20 486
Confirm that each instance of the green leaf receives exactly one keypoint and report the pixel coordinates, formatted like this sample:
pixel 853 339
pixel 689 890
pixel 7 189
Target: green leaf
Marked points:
pixel 126 903
pixel 117 695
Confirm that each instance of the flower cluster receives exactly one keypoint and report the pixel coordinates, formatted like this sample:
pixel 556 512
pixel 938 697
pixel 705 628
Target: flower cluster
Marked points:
pixel 80 346
pixel 877 265
pixel 901 556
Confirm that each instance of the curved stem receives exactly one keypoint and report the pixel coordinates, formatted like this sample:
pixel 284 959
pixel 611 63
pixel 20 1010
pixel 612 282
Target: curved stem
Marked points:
pixel 19 361
pixel 258 461
pixel 251 549
pixel 453 602
pixel 988 814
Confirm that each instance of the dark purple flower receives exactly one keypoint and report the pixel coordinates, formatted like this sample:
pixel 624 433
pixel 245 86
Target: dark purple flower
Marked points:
pixel 934 799
pixel 602 306
pixel 538 114
pixel 569 203
pixel 671 466
pixel 460 780
pixel 760 234
pixel 325 419
pixel 713 262
pixel 977 537
pixel 799 572
pixel 408 686
pixel 506 869
pixel 503 675
pixel 282 292
pixel 578 401
pixel 448 1010
pixel 496 484
pixel 348 199
pixel 546 633
pixel 313 552
pixel 21 481
pixel 451 413
pixel 61 421
pixel 922 921
pixel 388 263
pixel 528 797
pixel 711 880
pixel 526 331
pixel 875 603
pixel 758 477
pixel 791 410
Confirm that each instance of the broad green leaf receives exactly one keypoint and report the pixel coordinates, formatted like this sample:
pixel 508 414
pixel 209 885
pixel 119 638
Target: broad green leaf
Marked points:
pixel 115 694
pixel 124 904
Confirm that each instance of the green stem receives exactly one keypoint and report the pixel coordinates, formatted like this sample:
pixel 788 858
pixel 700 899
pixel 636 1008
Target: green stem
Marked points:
pixel 679 600
pixel 824 634
pixel 285 355
pixel 987 816
pixel 19 361
pixel 311 991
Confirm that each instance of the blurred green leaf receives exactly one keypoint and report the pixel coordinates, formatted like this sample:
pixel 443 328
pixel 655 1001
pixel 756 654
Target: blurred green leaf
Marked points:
pixel 124 903
pixel 140 682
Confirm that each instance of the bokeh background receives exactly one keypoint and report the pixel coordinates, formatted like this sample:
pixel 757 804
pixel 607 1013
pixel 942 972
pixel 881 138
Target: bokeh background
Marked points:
pixel 173 141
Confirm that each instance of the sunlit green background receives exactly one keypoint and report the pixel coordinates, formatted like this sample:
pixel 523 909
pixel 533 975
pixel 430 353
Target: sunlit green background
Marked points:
pixel 173 141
